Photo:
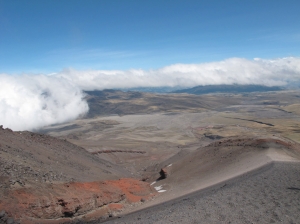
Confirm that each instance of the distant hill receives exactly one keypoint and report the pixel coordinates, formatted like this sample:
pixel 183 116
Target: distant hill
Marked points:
pixel 198 90
pixel 163 89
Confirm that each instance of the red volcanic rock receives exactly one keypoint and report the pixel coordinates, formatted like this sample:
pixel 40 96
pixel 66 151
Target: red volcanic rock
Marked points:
pixel 115 206
pixel 73 199
pixel 134 190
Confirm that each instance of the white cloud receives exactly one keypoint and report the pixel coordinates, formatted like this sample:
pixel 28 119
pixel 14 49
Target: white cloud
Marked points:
pixel 280 72
pixel 30 102
pixel 33 101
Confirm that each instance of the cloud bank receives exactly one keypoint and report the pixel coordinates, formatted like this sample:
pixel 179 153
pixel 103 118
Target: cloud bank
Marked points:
pixel 281 72
pixel 29 102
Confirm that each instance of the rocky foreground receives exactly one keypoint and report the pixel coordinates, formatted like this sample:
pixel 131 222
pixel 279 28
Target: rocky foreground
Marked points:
pixel 49 180
pixel 270 194
pixel 231 180
pixel 57 203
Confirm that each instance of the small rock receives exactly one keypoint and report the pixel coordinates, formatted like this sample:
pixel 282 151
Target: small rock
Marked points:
pixel 2 213
pixel 10 221
pixel 163 173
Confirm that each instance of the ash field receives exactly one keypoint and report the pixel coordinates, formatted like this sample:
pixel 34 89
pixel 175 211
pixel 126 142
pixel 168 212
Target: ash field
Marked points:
pixel 141 157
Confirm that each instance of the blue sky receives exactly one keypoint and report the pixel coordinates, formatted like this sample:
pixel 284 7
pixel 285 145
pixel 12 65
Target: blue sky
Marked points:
pixel 46 36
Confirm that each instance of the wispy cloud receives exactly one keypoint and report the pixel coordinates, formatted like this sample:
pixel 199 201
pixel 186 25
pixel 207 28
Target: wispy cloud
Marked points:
pixel 90 54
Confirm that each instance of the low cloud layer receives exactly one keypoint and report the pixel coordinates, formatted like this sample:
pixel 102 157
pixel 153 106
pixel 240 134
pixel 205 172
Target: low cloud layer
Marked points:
pixel 28 102
pixel 279 72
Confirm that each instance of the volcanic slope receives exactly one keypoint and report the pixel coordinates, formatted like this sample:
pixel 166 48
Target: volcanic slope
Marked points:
pixel 234 180
pixel 178 133
pixel 47 180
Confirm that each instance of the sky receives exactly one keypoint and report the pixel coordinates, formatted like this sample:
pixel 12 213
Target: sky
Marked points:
pixel 47 36
pixel 51 51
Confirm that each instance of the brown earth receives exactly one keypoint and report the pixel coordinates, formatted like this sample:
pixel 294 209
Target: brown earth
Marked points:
pixel 162 125
pixel 50 179
pixel 217 162
pixel 196 141
pixel 57 203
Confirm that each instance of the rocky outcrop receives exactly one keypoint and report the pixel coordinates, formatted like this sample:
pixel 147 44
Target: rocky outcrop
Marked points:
pixel 165 172
pixel 67 201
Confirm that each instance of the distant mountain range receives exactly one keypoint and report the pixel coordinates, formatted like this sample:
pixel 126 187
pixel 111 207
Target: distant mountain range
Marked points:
pixel 163 89
pixel 198 90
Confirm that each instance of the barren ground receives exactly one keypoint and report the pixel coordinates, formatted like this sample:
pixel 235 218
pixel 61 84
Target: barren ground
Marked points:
pixel 215 150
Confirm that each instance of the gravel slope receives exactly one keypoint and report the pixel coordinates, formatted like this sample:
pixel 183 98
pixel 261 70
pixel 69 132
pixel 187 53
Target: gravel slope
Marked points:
pixel 268 195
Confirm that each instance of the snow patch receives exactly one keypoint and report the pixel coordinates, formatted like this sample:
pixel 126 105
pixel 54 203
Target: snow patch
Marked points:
pixel 158 188
pixel 152 183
